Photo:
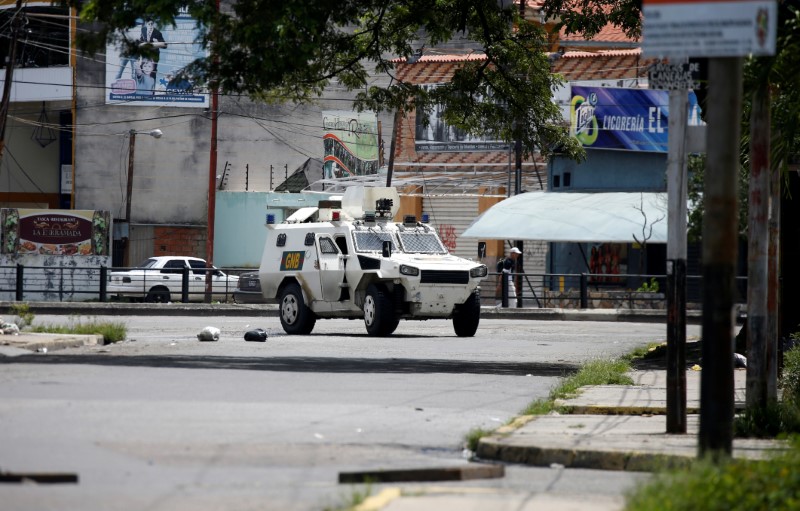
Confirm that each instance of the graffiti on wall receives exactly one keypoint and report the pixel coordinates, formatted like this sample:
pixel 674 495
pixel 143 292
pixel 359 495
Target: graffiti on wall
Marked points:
pixel 447 233
pixel 607 261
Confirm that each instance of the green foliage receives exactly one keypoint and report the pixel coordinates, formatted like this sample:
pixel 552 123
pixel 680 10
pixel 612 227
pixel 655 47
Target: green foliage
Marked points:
pixel 473 437
pixel 596 372
pixel 112 331
pixel 734 485
pixel 697 164
pixel 790 377
pixel 781 417
pixel 23 312
pixel 357 495
pixel 593 15
pixel 649 287
pixel 276 50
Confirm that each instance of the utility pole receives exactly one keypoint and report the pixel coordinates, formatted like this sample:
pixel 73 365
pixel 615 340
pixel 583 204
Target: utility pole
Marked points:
pixel 12 57
pixel 757 262
pixel 676 263
pixel 397 118
pixel 212 186
pixel 719 257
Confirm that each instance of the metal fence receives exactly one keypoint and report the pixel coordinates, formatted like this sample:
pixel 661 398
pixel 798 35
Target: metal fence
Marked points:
pixel 539 290
pixel 76 283
pixel 593 291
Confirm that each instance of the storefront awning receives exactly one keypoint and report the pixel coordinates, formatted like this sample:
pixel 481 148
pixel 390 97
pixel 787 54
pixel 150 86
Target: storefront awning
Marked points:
pixel 575 217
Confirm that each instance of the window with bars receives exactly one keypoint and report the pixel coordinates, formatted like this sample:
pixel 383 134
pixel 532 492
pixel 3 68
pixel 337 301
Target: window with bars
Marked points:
pixel 421 242
pixel 372 241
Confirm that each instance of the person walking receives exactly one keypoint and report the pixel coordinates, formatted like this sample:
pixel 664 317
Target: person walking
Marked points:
pixel 506 267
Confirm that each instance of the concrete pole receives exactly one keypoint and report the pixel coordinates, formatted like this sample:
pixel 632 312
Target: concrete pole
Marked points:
pixel 126 259
pixel 773 283
pixel 719 257
pixel 676 262
pixel 757 262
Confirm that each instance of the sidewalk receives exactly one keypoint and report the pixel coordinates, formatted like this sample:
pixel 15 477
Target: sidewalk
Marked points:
pixel 610 427
pixel 11 343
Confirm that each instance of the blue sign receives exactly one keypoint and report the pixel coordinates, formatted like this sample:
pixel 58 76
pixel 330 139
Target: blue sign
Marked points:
pixel 626 119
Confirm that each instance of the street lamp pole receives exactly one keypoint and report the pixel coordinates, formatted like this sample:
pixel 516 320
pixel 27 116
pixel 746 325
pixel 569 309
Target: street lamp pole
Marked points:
pixel 129 189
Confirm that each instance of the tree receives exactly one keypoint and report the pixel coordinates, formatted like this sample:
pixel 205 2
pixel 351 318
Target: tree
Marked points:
pixel 274 50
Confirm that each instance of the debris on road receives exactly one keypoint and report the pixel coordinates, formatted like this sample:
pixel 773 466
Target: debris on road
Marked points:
pixel 257 335
pixel 209 333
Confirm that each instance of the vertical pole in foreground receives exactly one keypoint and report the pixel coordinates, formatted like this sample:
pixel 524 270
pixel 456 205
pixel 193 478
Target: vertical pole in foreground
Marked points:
pixel 719 257
pixel 757 260
pixel 676 263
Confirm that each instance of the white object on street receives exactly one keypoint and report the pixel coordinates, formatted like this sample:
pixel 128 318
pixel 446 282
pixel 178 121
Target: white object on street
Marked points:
pixel 209 333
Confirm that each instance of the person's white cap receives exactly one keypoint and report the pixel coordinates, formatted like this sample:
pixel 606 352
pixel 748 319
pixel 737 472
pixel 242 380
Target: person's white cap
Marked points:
pixel 515 250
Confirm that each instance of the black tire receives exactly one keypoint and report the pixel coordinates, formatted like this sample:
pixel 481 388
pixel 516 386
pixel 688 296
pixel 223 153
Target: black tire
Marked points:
pixel 467 316
pixel 158 295
pixel 296 317
pixel 379 317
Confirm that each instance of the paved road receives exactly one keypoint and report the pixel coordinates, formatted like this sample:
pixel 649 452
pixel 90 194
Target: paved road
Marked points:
pixel 163 421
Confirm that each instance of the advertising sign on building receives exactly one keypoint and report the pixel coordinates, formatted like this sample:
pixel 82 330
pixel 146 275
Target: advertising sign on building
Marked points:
pixel 433 134
pixel 351 143
pixel 711 28
pixel 155 79
pixel 55 232
pixel 626 119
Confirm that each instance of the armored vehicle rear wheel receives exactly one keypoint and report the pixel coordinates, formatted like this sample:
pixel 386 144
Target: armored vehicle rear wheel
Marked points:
pixel 467 316
pixel 379 316
pixel 296 317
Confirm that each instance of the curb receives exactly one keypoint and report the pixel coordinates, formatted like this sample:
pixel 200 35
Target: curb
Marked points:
pixel 52 342
pixel 271 310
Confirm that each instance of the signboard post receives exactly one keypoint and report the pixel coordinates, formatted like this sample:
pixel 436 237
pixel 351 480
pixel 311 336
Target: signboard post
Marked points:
pixel 717 29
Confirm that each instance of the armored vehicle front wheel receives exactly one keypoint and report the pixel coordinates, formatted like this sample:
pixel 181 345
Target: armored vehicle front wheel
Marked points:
pixel 467 316
pixel 296 317
pixel 379 316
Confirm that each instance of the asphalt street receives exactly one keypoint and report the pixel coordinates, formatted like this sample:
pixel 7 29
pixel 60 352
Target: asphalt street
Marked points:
pixel 163 421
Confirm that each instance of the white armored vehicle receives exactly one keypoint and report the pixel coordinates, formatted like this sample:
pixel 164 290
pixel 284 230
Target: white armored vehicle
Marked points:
pixel 348 259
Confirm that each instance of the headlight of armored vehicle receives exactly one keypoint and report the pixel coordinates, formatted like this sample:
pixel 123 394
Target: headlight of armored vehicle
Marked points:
pixel 478 271
pixel 409 270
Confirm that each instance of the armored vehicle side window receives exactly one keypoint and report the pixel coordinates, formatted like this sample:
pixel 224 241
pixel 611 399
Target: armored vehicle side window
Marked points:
pixel 281 240
pixel 372 241
pixel 421 242
pixel 327 246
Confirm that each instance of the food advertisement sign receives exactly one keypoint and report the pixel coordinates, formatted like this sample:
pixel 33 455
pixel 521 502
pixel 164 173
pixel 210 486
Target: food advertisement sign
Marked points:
pixel 55 232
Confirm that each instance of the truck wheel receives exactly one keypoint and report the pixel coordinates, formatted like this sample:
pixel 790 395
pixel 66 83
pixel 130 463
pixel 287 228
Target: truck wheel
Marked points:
pixel 296 318
pixel 467 316
pixel 379 316
pixel 157 295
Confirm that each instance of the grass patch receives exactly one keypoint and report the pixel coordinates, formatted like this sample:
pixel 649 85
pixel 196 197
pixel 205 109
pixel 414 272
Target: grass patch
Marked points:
pixel 739 484
pixel 596 372
pixel 730 485
pixel 356 497
pixel 112 331
pixel 23 312
pixel 777 418
pixel 474 436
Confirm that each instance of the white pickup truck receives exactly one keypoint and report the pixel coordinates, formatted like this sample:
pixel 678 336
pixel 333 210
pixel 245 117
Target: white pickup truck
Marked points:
pixel 160 279
pixel 348 259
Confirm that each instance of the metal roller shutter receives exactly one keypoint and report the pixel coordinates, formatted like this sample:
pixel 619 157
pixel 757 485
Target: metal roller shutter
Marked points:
pixel 450 215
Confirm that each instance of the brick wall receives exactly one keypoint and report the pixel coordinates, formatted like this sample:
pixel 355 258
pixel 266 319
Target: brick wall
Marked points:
pixel 187 241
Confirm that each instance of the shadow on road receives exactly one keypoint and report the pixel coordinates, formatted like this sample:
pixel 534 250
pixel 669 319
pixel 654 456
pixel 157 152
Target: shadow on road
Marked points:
pixel 308 364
